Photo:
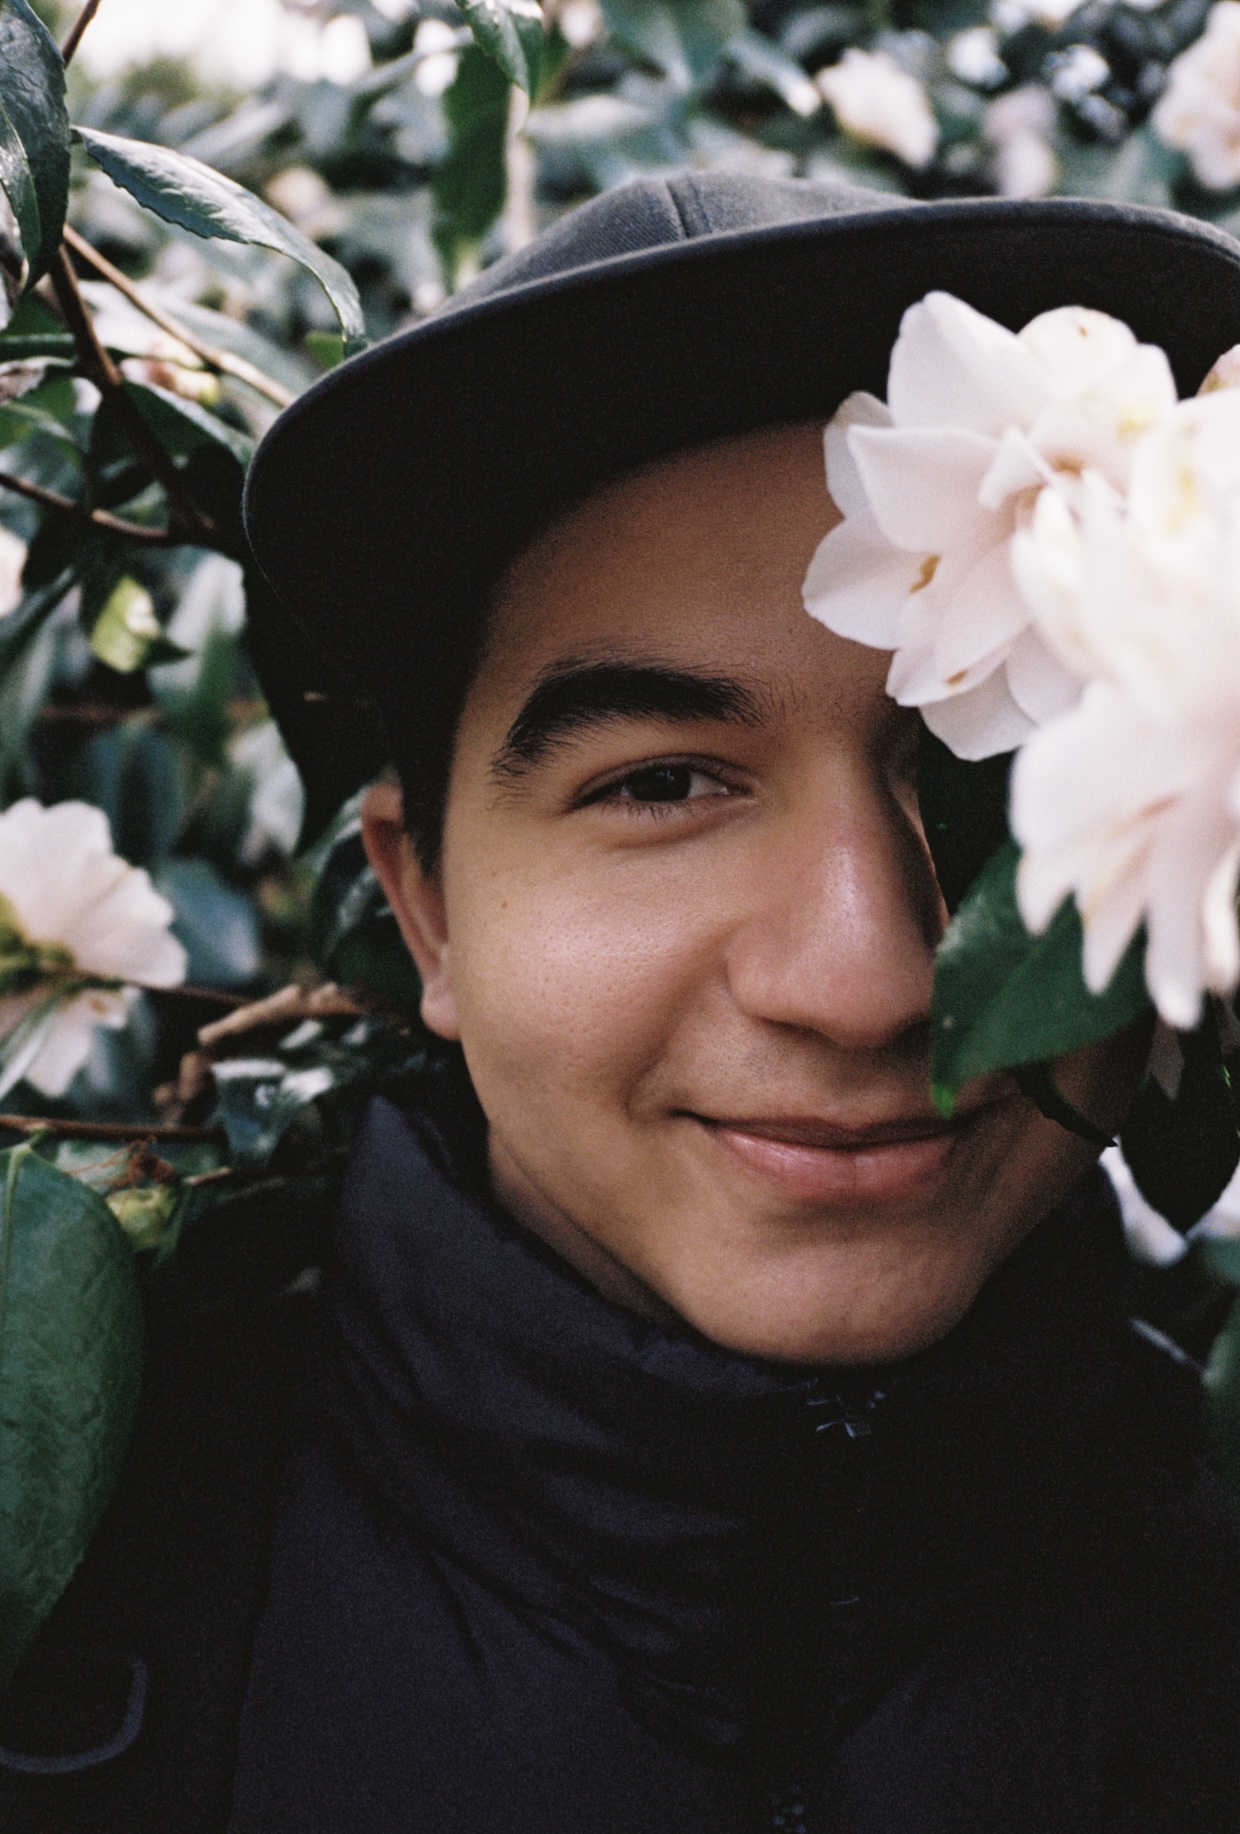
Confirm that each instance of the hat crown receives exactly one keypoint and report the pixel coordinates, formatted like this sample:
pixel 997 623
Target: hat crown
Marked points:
pixel 651 213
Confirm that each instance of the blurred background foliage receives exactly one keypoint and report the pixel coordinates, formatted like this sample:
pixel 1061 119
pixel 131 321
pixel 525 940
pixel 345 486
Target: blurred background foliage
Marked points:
pixel 405 148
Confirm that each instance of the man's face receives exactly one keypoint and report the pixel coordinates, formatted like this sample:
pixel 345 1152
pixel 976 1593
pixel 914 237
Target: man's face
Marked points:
pixel 684 928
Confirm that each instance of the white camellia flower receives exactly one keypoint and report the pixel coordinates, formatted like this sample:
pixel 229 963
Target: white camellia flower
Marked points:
pixel 71 910
pixel 12 560
pixel 933 485
pixel 1131 800
pixel 1199 110
pixel 879 103
pixel 1018 128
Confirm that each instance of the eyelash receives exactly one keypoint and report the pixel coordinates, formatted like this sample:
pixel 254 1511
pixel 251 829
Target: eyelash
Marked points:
pixel 610 794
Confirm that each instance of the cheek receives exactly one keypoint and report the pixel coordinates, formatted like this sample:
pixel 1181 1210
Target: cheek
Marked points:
pixel 571 989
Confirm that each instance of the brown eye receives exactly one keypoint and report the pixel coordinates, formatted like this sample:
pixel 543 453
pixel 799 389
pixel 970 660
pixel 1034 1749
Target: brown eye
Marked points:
pixel 662 783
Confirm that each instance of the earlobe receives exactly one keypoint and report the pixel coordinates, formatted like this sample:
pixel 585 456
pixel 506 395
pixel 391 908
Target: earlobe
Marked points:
pixel 416 898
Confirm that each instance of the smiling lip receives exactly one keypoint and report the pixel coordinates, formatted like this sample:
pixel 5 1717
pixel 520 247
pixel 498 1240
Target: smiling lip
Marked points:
pixel 815 1161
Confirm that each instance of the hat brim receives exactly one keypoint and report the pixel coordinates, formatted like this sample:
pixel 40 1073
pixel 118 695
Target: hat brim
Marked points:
pixel 385 502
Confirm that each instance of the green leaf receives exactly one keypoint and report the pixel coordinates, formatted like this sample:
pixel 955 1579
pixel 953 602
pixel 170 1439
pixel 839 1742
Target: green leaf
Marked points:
pixel 217 924
pixel 963 812
pixel 683 38
pixel 34 133
pixel 1182 1153
pixel 70 1363
pixel 127 635
pixel 1003 997
pixel 1223 1403
pixel 764 63
pixel 510 31
pixel 183 191
pixel 469 184
pixel 260 1098
pixel 353 933
pixel 186 427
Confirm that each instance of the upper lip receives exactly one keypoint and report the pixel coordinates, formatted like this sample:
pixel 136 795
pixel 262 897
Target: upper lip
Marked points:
pixel 812 1130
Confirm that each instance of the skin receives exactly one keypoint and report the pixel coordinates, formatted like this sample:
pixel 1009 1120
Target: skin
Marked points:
pixel 695 1003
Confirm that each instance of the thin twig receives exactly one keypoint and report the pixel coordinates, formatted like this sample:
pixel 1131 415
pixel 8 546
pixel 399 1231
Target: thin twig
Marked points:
pixel 112 1130
pixel 184 513
pixel 77 29
pixel 200 1178
pixel 102 518
pixel 223 361
pixel 187 991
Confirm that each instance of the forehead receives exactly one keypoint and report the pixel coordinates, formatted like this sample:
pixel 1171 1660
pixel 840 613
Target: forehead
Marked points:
pixel 698 558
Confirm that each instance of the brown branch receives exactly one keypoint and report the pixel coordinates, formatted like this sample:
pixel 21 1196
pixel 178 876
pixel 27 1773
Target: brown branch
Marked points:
pixel 288 1006
pixel 79 26
pixel 184 514
pixel 112 1130
pixel 222 361
pixel 102 518
pixel 187 991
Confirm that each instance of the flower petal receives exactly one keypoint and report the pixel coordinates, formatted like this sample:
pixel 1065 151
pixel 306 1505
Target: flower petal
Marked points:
pixel 843 479
pixel 1038 681
pixel 981 723
pixel 857 583
pixel 954 367
pixel 1074 346
pixel 921 484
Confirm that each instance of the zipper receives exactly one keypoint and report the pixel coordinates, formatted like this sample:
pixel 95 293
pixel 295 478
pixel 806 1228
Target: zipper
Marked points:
pixel 841 1420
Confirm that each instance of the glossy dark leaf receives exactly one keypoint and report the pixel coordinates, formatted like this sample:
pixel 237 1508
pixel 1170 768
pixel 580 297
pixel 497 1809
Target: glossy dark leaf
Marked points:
pixel 34 133
pixel 510 31
pixel 217 923
pixel 70 1364
pixel 682 38
pixel 1182 1153
pixel 468 186
pixel 194 197
pixel 353 934
pixel 1004 997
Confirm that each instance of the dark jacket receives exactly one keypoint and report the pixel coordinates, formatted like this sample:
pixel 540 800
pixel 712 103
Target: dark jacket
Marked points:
pixel 540 1567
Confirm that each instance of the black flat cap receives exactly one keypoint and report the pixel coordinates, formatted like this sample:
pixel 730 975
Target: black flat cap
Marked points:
pixel 384 503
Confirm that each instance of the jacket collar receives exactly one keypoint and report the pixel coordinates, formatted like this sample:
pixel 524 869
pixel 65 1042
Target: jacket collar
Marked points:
pixel 755 1544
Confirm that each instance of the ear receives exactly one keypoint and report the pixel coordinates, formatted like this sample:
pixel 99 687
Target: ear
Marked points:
pixel 416 900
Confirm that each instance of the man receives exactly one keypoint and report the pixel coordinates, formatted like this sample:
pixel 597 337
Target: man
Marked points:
pixel 708 1436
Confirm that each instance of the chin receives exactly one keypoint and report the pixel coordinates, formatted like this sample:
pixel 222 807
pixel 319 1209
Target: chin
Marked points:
pixel 844 1316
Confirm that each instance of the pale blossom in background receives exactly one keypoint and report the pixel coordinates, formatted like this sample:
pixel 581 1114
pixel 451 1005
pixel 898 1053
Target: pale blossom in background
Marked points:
pixel 973 56
pixel 12 560
pixel 85 912
pixel 1131 800
pixel 438 46
pixel 245 42
pixel 1017 127
pixel 933 485
pixel 882 105
pixel 1199 111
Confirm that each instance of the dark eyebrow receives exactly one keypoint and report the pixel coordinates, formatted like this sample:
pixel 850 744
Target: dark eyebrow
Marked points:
pixel 574 695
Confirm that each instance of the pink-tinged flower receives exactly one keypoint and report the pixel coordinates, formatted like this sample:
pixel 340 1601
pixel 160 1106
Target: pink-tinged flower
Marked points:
pixel 12 561
pixel 1130 801
pixel 1199 110
pixel 880 104
pixel 73 912
pixel 979 422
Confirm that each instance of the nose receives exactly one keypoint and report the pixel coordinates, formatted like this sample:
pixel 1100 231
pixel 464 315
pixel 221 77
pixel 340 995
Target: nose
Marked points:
pixel 840 933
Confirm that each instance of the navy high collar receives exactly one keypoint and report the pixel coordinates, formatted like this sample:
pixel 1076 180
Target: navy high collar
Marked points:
pixel 757 1546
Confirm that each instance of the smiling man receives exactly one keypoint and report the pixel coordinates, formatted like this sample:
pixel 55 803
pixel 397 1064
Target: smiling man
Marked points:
pixel 705 1436
pixel 714 1438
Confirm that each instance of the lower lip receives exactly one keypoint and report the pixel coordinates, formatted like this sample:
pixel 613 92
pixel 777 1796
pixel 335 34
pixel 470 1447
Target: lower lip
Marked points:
pixel 843 1175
